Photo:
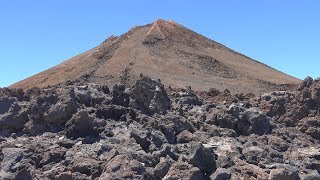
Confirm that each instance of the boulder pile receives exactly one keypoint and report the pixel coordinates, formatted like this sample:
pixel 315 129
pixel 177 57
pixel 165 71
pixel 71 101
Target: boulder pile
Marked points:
pixel 145 131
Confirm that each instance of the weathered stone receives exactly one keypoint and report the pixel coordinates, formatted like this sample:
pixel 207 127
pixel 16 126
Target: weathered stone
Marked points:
pixel 306 83
pixel 203 158
pixel 120 95
pixel 253 154
pixel 149 96
pixel 284 174
pixel 182 170
pixel 163 167
pixel 121 167
pixel 221 174
pixel 80 125
pixel 184 137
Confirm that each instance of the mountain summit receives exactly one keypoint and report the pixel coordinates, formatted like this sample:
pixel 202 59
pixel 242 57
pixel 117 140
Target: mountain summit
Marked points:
pixel 168 51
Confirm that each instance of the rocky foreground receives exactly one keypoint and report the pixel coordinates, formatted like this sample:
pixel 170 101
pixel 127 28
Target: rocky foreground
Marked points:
pixel 147 132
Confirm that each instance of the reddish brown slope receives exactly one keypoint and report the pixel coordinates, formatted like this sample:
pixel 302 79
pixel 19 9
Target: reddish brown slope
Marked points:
pixel 167 51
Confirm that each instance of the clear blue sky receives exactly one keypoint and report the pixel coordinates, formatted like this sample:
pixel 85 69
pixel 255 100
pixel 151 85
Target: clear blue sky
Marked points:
pixel 37 34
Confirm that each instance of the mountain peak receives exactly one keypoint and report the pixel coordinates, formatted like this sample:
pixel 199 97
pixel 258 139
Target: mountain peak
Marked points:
pixel 168 51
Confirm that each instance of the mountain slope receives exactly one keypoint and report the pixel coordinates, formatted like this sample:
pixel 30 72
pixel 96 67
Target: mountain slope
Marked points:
pixel 168 51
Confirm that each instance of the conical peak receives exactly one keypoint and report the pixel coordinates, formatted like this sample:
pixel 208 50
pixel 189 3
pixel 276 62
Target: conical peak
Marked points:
pixel 162 49
pixel 164 23
pixel 160 21
pixel 160 28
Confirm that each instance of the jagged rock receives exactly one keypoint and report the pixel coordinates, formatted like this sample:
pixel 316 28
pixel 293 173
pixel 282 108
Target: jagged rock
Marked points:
pixel 113 112
pixel 90 95
pixel 284 174
pixel 80 125
pixel 184 137
pixel 245 122
pixel 53 155
pixel 86 166
pixel 253 154
pixel 182 170
pixel 15 117
pixel 203 158
pixel 13 166
pixel 149 96
pixel 121 167
pixel 5 104
pixel 259 122
pixel 310 126
pixel 120 95
pixel 187 97
pixel 60 112
pixel 163 167
pixel 221 174
pixel 306 83
pixel 143 139
pixel 172 125
pixel 69 136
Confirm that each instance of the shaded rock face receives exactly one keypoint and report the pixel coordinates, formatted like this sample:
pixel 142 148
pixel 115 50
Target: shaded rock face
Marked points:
pixel 243 121
pixel 149 96
pixel 147 132
pixel 80 125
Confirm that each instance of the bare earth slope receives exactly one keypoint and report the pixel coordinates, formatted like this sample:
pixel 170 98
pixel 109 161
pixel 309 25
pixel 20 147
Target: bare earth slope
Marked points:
pixel 168 51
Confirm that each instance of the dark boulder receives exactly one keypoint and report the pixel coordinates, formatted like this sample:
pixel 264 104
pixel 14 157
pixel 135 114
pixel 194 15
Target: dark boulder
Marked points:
pixel 163 167
pixel 149 96
pixel 306 83
pixel 80 125
pixel 203 158
pixel 15 118
pixel 90 94
pixel 120 95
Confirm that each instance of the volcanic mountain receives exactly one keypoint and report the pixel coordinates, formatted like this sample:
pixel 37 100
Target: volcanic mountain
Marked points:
pixel 167 51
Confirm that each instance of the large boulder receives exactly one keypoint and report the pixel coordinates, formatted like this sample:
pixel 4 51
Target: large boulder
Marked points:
pixel 259 123
pixel 90 94
pixel 13 164
pixel 310 126
pixel 81 124
pixel 306 83
pixel 49 109
pixel 5 104
pixel 171 125
pixel 149 96
pixel 60 112
pixel 163 167
pixel 120 95
pixel 243 121
pixel 187 97
pixel 203 158
pixel 14 118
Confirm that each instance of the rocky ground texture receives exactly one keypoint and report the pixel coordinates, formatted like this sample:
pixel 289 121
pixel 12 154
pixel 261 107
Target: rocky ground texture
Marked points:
pixel 149 132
